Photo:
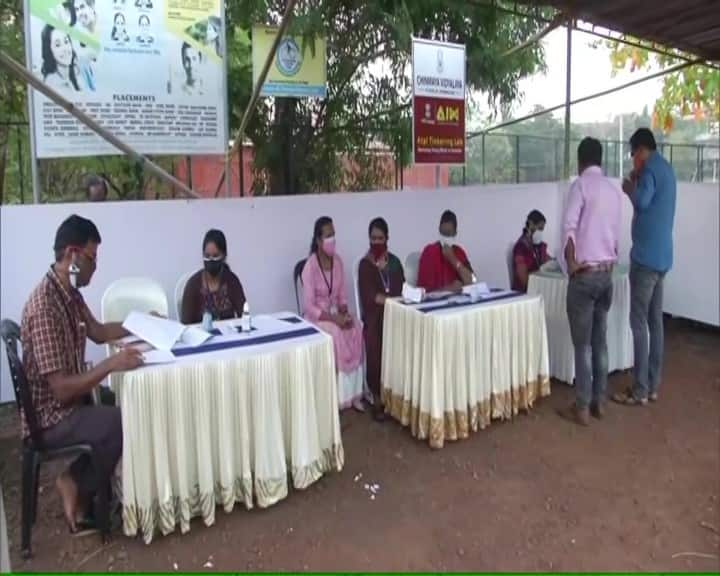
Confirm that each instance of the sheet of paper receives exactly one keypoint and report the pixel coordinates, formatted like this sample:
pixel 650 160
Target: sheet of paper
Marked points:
pixel 158 357
pixel 477 290
pixel 160 332
pixel 412 293
pixel 551 267
pixel 194 336
pixel 497 294
pixel 438 295
pixel 459 299
pixel 227 329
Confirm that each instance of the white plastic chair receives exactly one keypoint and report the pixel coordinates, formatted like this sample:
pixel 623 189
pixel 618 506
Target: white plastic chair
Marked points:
pixel 358 308
pixel 510 263
pixel 356 286
pixel 179 292
pixel 133 295
pixel 412 263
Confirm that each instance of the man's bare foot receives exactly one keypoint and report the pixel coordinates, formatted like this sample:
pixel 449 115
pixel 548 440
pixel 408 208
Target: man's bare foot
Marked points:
pixel 69 494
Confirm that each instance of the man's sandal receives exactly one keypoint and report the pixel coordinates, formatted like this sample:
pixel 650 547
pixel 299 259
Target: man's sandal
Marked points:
pixel 627 399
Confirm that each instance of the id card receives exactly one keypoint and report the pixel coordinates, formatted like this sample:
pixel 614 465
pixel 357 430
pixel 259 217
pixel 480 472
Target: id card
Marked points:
pixel 333 310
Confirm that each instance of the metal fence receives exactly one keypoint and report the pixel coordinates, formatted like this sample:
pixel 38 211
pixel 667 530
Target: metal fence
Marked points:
pixel 515 158
pixel 491 158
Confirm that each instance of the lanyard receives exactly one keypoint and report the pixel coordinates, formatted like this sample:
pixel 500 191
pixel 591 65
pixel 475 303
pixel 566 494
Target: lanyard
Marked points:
pixel 332 274
pixel 534 250
pixel 385 277
pixel 536 254
pixel 211 298
pixel 208 297
pixel 71 322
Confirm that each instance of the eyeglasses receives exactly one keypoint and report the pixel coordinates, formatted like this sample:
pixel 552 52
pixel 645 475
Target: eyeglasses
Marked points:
pixel 92 258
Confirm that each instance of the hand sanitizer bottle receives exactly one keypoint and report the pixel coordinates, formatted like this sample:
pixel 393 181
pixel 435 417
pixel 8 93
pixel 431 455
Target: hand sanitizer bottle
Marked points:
pixel 207 321
pixel 247 319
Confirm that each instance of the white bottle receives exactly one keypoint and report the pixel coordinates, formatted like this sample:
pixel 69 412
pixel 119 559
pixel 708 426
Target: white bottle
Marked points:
pixel 207 321
pixel 246 319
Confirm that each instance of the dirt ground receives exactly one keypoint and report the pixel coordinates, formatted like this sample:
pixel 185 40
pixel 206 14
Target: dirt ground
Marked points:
pixel 639 491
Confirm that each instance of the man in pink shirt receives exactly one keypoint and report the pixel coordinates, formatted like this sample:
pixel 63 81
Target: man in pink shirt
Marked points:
pixel 591 229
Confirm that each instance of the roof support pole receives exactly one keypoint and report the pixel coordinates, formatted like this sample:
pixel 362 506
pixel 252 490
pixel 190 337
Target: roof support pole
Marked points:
pixel 568 84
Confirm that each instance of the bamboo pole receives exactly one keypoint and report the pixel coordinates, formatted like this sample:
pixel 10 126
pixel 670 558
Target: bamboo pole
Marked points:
pixel 22 74
pixel 237 143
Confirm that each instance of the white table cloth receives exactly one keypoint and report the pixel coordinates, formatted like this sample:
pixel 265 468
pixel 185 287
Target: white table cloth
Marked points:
pixel 228 426
pixel 552 286
pixel 449 371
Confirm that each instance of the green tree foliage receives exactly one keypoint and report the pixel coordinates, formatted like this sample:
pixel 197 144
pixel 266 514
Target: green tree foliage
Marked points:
pixel 693 91
pixel 304 145
pixel 314 145
pixel 12 96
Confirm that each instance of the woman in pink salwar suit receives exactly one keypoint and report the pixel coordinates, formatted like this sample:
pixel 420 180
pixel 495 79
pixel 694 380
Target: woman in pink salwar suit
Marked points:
pixel 325 304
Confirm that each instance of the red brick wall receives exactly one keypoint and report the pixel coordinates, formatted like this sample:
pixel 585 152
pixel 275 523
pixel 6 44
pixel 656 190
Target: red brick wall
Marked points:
pixel 206 170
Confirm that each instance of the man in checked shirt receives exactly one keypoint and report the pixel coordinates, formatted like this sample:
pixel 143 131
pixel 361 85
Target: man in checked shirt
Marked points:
pixel 56 323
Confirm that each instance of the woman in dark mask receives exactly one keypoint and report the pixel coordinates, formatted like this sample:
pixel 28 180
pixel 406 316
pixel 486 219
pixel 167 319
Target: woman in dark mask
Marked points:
pixel 380 276
pixel 215 288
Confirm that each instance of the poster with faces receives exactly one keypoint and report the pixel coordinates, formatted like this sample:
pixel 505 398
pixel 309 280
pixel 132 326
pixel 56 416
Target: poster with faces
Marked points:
pixel 150 71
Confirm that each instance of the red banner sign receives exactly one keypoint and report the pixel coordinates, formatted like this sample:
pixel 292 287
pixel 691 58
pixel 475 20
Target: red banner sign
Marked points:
pixel 439 130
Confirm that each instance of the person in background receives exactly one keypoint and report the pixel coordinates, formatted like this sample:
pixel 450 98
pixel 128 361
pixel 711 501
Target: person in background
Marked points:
pixel 191 61
pixel 215 288
pixel 119 30
pixel 530 251
pixel 591 230
pixel 212 34
pixel 59 61
pixel 380 276
pixel 86 56
pixel 444 266
pixel 86 15
pixel 96 188
pixel 325 304
pixel 145 36
pixel 651 188
pixel 56 323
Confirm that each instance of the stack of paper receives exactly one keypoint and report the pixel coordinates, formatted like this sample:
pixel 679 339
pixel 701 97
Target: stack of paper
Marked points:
pixel 476 291
pixel 412 293
pixel 551 266
pixel 162 333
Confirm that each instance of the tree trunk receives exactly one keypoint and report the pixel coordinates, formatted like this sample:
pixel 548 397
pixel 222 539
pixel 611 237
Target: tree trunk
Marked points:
pixel 4 139
pixel 282 173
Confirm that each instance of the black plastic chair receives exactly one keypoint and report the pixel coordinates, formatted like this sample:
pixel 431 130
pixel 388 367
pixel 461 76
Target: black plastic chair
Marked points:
pixel 34 450
pixel 297 282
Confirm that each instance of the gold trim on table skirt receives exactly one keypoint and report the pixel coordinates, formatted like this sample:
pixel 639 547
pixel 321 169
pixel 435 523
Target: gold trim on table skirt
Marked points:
pixel 457 425
pixel 268 491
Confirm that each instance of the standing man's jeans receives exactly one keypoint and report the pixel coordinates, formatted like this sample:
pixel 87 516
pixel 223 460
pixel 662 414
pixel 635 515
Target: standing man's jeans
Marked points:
pixel 646 314
pixel 589 298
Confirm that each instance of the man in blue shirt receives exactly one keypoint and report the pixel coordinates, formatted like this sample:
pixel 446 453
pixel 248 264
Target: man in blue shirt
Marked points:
pixel 651 188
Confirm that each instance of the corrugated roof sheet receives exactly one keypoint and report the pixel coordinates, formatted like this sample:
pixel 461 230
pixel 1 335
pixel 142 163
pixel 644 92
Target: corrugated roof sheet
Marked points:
pixel 689 25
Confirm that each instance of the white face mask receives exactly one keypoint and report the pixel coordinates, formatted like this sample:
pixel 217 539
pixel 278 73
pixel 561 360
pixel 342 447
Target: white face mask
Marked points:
pixel 537 237
pixel 73 272
pixel 446 240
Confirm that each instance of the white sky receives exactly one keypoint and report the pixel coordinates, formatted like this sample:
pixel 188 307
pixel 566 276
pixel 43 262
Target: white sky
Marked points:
pixel 591 73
